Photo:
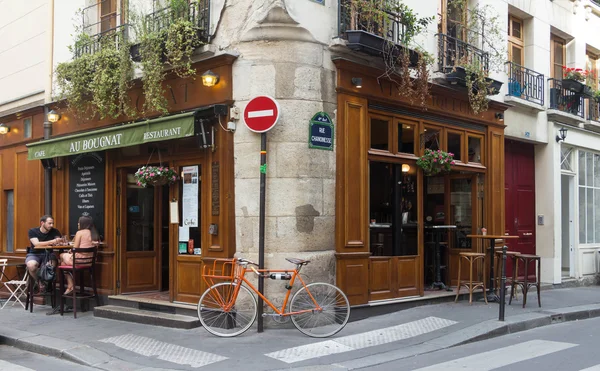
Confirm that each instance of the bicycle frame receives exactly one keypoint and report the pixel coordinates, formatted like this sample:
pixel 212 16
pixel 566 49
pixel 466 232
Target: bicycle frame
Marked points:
pixel 241 278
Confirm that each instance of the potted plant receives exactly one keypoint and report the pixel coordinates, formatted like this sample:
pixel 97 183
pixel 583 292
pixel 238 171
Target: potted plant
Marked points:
pixel 155 176
pixel 574 80
pixel 435 162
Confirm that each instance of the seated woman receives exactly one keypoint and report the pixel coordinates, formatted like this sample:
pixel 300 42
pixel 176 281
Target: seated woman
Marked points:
pixel 86 236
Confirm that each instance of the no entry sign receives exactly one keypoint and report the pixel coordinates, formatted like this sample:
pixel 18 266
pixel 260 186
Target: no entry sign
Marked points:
pixel 261 114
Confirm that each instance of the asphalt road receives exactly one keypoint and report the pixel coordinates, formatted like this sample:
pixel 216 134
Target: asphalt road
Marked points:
pixel 13 359
pixel 570 346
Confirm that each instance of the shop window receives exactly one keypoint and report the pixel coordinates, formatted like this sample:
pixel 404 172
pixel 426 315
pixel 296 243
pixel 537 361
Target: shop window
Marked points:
pixel 10 220
pixel 393 209
pixel 380 134
pixel 406 138
pixel 27 127
pixel 455 145
pixel 589 197
pixel 461 210
pixel 474 149
pixel 431 139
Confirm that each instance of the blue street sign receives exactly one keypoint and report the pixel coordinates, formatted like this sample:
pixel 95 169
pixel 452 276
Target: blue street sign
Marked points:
pixel 320 132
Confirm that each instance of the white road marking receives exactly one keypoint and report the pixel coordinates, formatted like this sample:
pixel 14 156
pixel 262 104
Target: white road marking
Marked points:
pixel 7 366
pixel 362 340
pixel 501 357
pixel 593 368
pixel 164 351
pixel 263 113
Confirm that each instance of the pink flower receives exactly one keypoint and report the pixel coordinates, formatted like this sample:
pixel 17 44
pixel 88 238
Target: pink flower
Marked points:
pixel 435 160
pixel 453 162
pixel 450 154
pixel 174 178
pixel 151 174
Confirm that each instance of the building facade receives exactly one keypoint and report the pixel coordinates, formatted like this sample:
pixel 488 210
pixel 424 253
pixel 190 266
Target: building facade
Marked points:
pixel 362 212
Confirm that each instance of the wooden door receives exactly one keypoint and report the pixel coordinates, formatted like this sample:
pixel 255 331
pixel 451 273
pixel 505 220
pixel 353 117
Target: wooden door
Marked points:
pixel 138 230
pixel 520 197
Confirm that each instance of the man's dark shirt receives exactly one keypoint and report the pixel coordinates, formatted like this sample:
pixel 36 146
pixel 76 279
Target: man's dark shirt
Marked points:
pixel 42 237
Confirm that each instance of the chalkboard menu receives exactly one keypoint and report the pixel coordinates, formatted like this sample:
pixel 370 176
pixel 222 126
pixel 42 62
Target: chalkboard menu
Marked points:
pixel 86 184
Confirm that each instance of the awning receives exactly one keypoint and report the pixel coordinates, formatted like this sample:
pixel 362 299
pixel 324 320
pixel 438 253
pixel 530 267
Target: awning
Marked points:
pixel 164 128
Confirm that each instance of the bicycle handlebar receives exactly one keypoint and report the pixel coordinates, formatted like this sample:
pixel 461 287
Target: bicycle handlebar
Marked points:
pixel 242 260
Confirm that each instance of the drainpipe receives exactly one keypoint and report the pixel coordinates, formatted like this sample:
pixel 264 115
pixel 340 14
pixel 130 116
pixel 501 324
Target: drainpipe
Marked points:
pixel 47 100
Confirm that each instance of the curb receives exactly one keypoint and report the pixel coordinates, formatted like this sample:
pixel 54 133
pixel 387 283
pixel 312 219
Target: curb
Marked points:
pixel 481 331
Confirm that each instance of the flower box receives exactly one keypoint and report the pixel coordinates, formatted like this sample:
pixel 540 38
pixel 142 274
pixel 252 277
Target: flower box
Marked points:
pixel 435 162
pixel 458 76
pixel 573 85
pixel 371 44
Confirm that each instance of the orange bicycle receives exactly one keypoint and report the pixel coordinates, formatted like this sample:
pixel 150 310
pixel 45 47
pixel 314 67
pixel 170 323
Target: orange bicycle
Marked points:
pixel 229 308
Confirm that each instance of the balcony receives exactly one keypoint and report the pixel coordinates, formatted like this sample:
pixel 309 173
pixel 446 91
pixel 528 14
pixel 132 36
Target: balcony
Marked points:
pixel 565 103
pixel 453 52
pixel 524 83
pixel 366 36
pixel 594 110
pixel 101 34
pixel 198 13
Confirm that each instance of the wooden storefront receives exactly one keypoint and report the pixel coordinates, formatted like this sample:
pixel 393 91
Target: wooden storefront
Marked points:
pixel 384 203
pixel 142 249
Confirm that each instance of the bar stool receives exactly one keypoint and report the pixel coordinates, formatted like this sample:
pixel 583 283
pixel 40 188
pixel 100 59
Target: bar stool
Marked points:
pixel 471 257
pixel 498 268
pixel 527 281
pixel 85 263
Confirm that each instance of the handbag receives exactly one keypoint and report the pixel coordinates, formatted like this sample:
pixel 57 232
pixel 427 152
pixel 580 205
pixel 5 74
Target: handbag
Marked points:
pixel 47 272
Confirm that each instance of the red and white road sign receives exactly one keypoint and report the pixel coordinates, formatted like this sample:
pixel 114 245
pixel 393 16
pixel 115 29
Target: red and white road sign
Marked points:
pixel 261 114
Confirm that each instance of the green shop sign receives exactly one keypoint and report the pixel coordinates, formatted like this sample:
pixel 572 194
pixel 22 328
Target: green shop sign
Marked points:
pixel 164 128
pixel 320 132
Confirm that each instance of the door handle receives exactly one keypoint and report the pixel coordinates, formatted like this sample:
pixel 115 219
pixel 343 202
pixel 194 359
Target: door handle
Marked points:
pixel 527 234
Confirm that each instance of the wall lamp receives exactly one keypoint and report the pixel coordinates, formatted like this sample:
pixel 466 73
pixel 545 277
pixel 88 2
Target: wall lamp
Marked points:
pixel 209 78
pixel 405 168
pixel 357 82
pixel 562 134
pixel 53 116
pixel 4 129
pixel 499 116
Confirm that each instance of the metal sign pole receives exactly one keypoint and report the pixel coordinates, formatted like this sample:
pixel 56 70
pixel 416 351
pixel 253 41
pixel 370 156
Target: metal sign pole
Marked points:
pixel 261 225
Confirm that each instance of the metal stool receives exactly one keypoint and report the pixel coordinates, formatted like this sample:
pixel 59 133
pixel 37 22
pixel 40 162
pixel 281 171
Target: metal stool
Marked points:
pixel 471 257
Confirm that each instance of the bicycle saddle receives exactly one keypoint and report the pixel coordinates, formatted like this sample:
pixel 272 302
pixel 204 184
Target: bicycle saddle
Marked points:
pixel 297 261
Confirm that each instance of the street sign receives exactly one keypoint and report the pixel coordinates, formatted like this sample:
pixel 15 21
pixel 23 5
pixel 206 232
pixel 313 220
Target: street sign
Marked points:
pixel 261 114
pixel 320 132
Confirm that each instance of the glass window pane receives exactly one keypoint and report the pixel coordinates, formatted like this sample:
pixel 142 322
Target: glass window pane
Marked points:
pixel 596 170
pixel 431 138
pixel 140 218
pixel 406 138
pixel 558 53
pixel 516 29
pixel 461 211
pixel 10 221
pixel 27 128
pixel 582 214
pixel 590 216
pixel 379 134
pixel 597 215
pixel 589 176
pixel 455 145
pixel 517 55
pixel 474 149
pixel 581 168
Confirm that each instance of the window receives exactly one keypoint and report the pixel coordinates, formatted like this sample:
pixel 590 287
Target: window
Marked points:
pixel 591 64
pixel 406 137
pixel 380 127
pixel 565 158
pixel 455 143
pixel 589 197
pixel 515 40
pixel 27 127
pixel 431 138
pixel 474 148
pixel 108 14
pixel 557 57
pixel 10 220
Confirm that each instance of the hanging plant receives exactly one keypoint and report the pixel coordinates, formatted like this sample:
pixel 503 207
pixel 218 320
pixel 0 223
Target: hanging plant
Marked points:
pixel 182 40
pixel 155 176
pixel 435 162
pixel 151 52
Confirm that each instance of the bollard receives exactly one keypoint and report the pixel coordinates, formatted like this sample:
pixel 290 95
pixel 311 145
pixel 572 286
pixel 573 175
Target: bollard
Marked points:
pixel 503 284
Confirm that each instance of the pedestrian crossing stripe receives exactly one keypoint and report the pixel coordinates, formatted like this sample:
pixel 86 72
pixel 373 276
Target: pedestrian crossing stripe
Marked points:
pixel 502 357
pixel 7 366
pixel 362 340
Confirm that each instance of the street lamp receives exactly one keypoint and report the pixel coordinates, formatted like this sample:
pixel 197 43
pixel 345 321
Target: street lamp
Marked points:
pixel 4 129
pixel 209 78
pixel 53 116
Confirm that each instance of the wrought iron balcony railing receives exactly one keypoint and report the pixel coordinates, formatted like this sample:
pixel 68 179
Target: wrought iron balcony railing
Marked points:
pixel 454 52
pixel 198 13
pixel 110 38
pixel 565 100
pixel 525 83
pixel 350 18
pixel 594 110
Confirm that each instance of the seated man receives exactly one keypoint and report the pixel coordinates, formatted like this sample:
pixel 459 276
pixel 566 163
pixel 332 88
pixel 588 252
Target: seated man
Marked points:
pixel 44 235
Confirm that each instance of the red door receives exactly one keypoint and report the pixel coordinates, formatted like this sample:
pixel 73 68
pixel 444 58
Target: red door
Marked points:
pixel 519 168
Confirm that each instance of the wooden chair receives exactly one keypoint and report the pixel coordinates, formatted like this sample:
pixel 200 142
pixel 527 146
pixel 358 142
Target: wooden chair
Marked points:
pixel 498 268
pixel 80 266
pixel 471 257
pixel 528 279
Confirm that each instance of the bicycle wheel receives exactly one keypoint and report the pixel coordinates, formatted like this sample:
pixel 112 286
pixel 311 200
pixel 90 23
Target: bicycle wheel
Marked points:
pixel 334 313
pixel 220 321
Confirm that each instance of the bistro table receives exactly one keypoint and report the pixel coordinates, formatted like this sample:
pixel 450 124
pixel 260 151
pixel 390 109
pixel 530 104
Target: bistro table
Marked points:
pixel 492 237
pixel 437 232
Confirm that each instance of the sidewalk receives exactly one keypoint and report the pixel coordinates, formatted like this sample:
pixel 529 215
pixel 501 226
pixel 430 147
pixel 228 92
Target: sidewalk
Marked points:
pixel 117 345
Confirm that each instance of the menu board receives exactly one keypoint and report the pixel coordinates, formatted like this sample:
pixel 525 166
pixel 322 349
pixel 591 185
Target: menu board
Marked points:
pixel 86 189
